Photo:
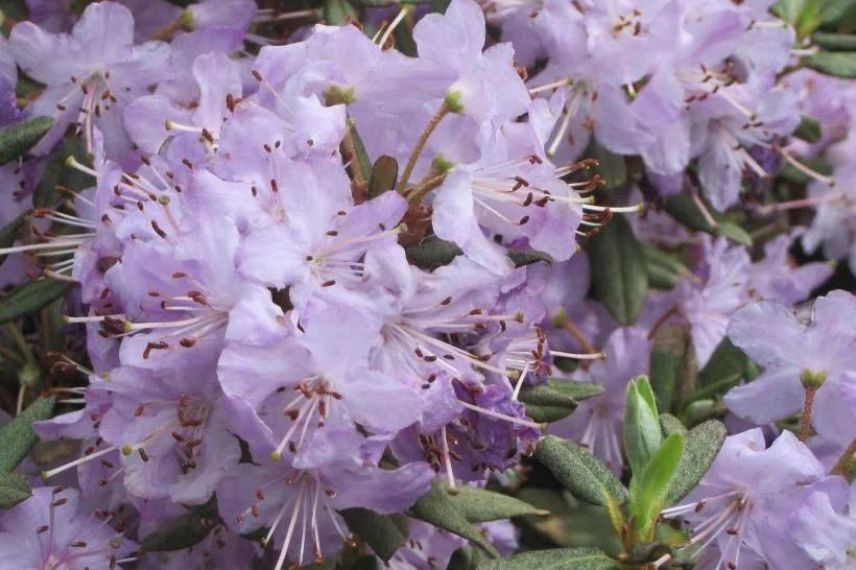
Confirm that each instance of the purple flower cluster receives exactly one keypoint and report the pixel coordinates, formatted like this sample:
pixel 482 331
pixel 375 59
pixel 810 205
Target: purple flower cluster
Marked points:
pixel 302 268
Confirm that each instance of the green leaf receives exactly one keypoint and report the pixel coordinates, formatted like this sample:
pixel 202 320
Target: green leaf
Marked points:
pixel 555 559
pixel 612 167
pixel 580 472
pixel 187 530
pixel 664 269
pixel 618 271
pixel 671 424
pixel 360 149
pixel 18 139
pixel 703 442
pixel 683 208
pixel 837 63
pixel 58 173
pixel 465 558
pixel 674 372
pixel 522 257
pixel 789 10
pixel 725 369
pixel 436 508
pixel 384 533
pixel 30 297
pixel 649 492
pixel 642 433
pixel 18 436
pixel 432 253
pixel 10 233
pixel 13 489
pixel 339 12
pixel 834 42
pixel 809 129
pixel 556 399
pixel 384 176
pixel 480 505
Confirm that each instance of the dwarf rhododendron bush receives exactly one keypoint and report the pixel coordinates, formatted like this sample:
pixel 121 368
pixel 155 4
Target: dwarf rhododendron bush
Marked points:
pixel 427 284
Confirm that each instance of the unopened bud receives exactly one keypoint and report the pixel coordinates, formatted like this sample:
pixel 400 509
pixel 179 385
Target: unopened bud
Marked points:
pixel 440 165
pixel 335 95
pixel 453 102
pixel 812 378
pixel 185 21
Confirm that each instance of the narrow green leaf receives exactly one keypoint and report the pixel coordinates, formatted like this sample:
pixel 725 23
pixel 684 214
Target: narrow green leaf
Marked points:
pixel 664 269
pixel 834 42
pixel 642 433
pixel 480 505
pixel 384 533
pixel 18 139
pixel 13 489
pixel 833 10
pixel 384 176
pixel 57 173
pixel 437 508
pixel 577 390
pixel 837 63
pixel 703 442
pixel 18 437
pixel 10 233
pixel 671 424
pixel 360 149
pixel 29 298
pixel 367 562
pixel 789 10
pixel 555 559
pixel 612 167
pixel 465 558
pixel 725 369
pixel 734 232
pixel 674 372
pixel 339 12
pixel 649 492
pixel 187 530
pixel 556 399
pixel 432 253
pixel 618 271
pixel 580 472
pixel 809 128
pixel 522 257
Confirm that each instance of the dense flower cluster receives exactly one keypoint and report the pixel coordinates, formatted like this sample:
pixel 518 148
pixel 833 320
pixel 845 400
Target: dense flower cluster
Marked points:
pixel 305 268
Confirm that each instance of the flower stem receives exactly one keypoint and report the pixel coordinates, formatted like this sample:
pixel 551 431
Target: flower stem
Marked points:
pixel 841 465
pixel 805 423
pixel 420 145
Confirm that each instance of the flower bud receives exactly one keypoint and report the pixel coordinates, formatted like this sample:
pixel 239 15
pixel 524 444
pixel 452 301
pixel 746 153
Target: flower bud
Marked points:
pixel 812 378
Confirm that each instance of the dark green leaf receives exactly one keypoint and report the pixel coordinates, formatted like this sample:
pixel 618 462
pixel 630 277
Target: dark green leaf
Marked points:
pixel 187 530
pixel 384 533
pixel 809 129
pixel 618 271
pixel 339 12
pixel 834 42
pixel 18 139
pixel 30 297
pixel 480 505
pixel 367 562
pixel 555 559
pixel 432 253
pixel 674 372
pixel 556 399
pixel 612 167
pixel 465 558
pixel 664 269
pixel 833 10
pixel 580 472
pixel 650 491
pixel 789 10
pixel 642 434
pixel 838 63
pixel 703 442
pixel 360 150
pixel 384 176
pixel 437 508
pixel 58 173
pixel 683 208
pixel 18 437
pixel 522 257
pixel 13 489
pixel 10 233
pixel 725 369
